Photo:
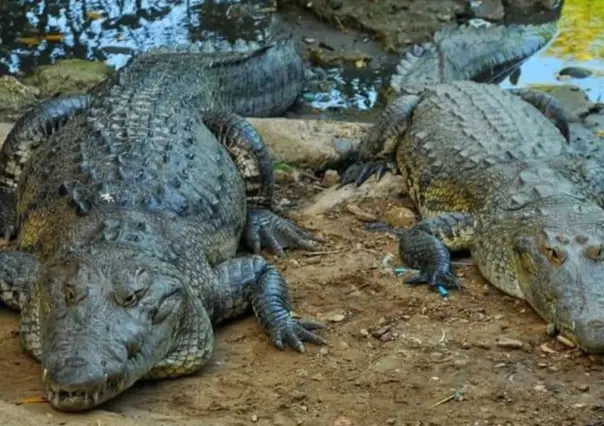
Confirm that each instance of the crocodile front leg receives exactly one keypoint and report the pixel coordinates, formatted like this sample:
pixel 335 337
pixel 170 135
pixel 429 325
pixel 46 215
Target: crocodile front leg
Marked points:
pixel 549 106
pixel 393 121
pixel 251 281
pixel 18 273
pixel 252 158
pixel 27 134
pixel 425 246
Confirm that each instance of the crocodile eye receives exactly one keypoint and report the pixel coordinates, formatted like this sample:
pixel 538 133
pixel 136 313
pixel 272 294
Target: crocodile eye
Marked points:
pixel 594 253
pixel 556 255
pixel 130 300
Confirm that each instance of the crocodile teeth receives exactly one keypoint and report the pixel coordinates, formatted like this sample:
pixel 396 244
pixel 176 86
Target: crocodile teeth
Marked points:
pixel 95 397
pixel 44 375
pixel 106 377
pixel 55 399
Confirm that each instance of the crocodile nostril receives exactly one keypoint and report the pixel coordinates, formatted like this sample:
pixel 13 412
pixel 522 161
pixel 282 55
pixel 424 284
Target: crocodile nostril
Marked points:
pixel 75 362
pixel 596 324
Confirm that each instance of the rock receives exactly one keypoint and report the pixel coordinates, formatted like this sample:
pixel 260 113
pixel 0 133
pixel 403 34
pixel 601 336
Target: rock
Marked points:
pixel 574 72
pixel 540 388
pixel 16 96
pixel 285 174
pixel 330 178
pixel 308 143
pixel 342 421
pixel 491 10
pixel 336 317
pixel 68 76
pixel 507 343
pixel 583 387
pixel 360 214
pixel 400 217
pixel 389 185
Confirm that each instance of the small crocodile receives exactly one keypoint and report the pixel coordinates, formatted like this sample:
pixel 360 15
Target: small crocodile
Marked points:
pixel 491 173
pixel 130 204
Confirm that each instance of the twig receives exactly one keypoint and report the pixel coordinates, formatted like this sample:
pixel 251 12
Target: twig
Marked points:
pixel 454 395
pixel 319 253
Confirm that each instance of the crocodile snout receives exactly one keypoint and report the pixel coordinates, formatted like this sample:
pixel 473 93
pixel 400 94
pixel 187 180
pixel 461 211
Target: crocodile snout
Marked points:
pixel 589 335
pixel 76 383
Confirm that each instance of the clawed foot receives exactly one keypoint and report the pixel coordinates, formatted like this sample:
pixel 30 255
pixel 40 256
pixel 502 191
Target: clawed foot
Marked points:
pixel 294 332
pixel 447 280
pixel 360 172
pixel 264 229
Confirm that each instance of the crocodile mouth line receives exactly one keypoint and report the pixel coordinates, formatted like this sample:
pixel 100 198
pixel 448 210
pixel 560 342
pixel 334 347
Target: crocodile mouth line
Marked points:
pixel 80 399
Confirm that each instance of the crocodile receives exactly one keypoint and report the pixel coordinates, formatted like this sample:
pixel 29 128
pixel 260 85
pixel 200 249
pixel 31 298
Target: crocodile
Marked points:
pixel 490 172
pixel 482 52
pixel 131 204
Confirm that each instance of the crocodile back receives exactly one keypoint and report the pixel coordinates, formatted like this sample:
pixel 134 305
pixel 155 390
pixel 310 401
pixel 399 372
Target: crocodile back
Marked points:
pixel 462 138
pixel 143 150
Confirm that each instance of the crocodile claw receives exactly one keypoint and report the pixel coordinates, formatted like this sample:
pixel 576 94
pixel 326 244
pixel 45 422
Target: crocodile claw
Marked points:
pixel 447 280
pixel 265 229
pixel 360 172
pixel 294 332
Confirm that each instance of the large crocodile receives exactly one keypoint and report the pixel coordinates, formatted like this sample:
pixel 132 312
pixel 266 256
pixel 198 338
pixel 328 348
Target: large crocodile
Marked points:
pixel 489 172
pixel 130 210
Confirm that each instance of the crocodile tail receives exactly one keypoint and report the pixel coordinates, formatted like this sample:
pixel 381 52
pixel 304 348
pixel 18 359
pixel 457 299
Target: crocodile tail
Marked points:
pixel 486 54
pixel 492 52
pixel 419 65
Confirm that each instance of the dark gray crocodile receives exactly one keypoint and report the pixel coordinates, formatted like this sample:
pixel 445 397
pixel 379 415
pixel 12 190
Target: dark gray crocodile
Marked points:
pixel 490 172
pixel 130 209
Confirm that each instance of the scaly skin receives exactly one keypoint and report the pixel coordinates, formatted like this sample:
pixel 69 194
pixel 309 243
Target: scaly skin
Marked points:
pixel 130 211
pixel 490 173
pixel 485 54
pixel 233 81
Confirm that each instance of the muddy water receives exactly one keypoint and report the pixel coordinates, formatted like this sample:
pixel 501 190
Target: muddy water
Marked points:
pixel 40 32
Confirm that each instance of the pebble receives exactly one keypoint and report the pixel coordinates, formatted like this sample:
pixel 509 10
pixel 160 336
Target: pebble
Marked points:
pixel 254 418
pixel 575 72
pixel 583 387
pixel 330 178
pixel 400 217
pixel 336 317
pixel 508 343
pixel 286 176
pixel 360 214
pixel 540 388
pixel 342 421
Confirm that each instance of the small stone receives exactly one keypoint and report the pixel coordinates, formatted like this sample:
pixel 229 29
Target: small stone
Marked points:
pixel 364 332
pixel 317 377
pixel 583 387
pixel 323 351
pixel 391 421
pixel 565 341
pixel 579 405
pixel 507 343
pixel 342 421
pixel 360 214
pixel 400 217
pixel 309 40
pixel 254 418
pixel 491 10
pixel 330 178
pixel 540 388
pixel 286 176
pixel 336 317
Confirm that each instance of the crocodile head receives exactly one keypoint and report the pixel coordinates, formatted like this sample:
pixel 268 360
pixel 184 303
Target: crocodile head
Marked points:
pixel 106 319
pixel 559 267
